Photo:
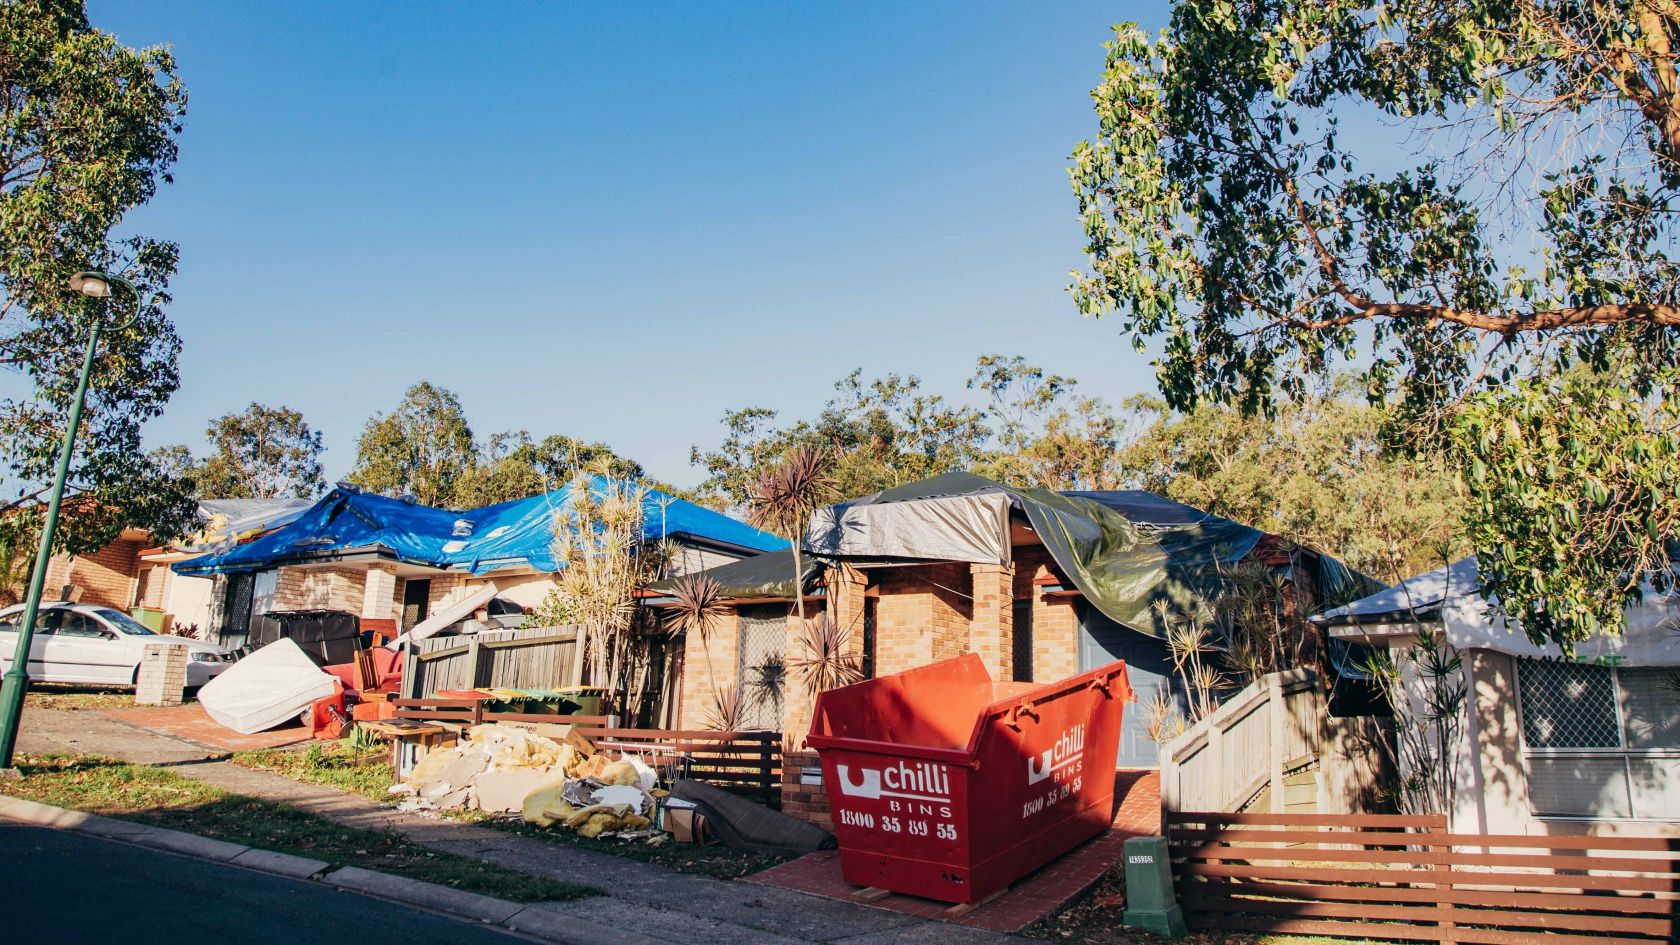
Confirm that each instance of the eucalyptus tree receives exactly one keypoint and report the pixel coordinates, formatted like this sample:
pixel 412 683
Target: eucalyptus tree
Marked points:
pixel 1491 245
pixel 88 131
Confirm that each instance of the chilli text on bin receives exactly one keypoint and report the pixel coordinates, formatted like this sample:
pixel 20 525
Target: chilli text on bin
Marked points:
pixel 1068 750
pixel 919 781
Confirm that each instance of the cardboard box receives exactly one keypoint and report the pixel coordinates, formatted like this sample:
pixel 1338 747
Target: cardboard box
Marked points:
pixel 686 825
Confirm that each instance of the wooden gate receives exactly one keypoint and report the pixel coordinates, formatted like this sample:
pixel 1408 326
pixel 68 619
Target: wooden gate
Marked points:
pixel 1407 879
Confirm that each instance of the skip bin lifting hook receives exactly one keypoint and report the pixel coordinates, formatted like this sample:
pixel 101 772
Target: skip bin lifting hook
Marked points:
pixel 1018 710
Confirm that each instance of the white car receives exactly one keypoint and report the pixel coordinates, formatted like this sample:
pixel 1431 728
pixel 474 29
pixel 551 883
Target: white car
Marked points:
pixel 91 643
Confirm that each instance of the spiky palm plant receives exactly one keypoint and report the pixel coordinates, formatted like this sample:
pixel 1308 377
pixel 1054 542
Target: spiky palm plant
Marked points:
pixel 782 500
pixel 699 600
pixel 826 663
pixel 599 536
pixel 728 709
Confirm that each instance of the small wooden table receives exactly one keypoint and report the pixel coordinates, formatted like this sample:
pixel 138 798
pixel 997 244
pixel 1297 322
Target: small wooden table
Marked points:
pixel 404 733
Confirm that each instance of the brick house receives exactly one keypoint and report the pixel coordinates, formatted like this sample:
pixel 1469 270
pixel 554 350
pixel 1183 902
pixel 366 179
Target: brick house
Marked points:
pixel 132 572
pixel 396 562
pixel 1041 585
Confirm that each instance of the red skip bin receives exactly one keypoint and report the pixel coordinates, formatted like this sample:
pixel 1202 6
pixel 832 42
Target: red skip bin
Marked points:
pixel 946 785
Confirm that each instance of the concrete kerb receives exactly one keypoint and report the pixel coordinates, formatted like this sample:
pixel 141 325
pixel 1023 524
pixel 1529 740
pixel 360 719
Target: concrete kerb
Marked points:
pixel 428 896
pixel 486 909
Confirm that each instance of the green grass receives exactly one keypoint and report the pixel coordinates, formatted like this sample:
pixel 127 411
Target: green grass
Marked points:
pixel 368 773
pixel 77 697
pixel 365 771
pixel 166 799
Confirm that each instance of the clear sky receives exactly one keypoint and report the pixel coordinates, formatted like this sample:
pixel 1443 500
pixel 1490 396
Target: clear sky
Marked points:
pixel 618 221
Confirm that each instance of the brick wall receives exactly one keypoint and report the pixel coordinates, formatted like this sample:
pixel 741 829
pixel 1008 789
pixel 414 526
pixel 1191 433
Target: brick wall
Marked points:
pixel 808 802
pixel 319 589
pixel 990 633
pixel 709 663
pixel 107 576
pixel 1055 627
pixel 446 589
pixel 379 593
pixel 157 586
pixel 922 615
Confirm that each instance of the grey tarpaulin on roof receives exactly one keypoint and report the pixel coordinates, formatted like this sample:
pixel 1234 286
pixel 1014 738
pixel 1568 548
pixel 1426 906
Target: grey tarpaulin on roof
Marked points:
pixel 1127 552
pixel 766 575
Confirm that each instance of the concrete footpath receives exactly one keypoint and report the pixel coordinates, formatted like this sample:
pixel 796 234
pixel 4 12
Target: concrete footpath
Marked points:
pixel 647 902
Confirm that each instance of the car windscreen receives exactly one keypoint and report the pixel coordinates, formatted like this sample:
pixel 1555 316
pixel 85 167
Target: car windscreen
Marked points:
pixel 124 622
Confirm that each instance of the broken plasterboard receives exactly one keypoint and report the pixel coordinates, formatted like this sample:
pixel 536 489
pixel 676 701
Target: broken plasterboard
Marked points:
pixel 447 617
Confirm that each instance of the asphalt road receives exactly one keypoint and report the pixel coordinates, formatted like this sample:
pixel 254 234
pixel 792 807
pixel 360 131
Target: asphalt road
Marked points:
pixel 61 888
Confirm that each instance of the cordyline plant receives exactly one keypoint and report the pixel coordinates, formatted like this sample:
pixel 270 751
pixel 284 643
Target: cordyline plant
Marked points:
pixel 827 664
pixel 782 500
pixel 728 709
pixel 698 601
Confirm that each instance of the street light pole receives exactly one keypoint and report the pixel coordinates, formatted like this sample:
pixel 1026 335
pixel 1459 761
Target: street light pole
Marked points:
pixel 16 680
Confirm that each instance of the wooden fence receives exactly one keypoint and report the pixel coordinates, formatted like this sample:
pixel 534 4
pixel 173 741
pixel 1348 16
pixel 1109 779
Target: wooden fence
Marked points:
pixel 538 658
pixel 1273 746
pixel 469 712
pixel 1406 878
pixel 744 763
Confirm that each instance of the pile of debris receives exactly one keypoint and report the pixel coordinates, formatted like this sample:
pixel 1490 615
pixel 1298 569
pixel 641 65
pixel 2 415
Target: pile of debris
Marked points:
pixel 503 769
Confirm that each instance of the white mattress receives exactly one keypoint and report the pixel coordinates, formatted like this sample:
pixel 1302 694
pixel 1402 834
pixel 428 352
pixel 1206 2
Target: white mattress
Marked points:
pixel 265 689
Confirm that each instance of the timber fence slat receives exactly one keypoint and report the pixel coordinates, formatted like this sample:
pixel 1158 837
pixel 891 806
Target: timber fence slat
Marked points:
pixel 1406 878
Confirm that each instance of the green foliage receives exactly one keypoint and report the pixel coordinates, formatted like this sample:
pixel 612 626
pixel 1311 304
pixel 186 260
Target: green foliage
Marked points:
pixel 87 131
pixel 1315 472
pixel 883 433
pixel 1230 222
pixel 1424 684
pixel 1572 484
pixel 1030 430
pixel 262 453
pixel 164 798
pixel 426 448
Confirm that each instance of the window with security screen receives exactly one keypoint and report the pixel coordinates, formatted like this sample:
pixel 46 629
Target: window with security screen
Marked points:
pixel 1568 705
pixel 762 665
pixel 1600 741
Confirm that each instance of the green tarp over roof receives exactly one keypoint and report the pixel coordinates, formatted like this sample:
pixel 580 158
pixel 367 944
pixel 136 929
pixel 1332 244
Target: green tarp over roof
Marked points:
pixel 1131 553
pixel 1126 551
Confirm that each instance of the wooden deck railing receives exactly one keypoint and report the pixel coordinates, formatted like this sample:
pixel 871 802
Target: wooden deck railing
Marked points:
pixel 1406 878
pixel 1255 740
pixel 744 763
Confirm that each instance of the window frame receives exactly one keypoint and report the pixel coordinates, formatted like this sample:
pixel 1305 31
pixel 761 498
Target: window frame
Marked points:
pixel 1628 755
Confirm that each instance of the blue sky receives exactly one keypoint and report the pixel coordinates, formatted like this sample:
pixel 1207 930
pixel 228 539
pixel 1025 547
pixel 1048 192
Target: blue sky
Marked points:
pixel 618 222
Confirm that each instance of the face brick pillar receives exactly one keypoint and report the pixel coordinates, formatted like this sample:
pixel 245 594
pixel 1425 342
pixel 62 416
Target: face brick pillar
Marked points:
pixel 378 592
pixel 992 632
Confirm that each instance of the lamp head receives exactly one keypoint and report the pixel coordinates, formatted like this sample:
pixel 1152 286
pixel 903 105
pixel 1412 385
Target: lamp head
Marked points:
pixel 94 285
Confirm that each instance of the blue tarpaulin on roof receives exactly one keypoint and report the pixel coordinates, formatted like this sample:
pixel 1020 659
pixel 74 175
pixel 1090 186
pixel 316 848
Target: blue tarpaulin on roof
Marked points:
pixel 518 533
